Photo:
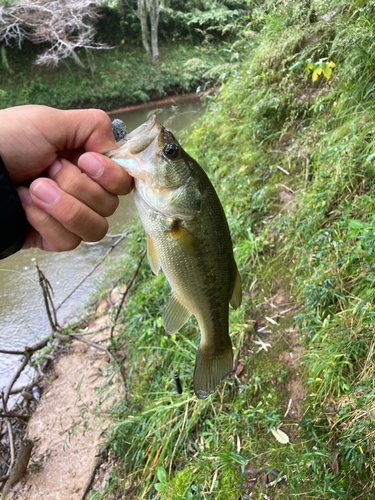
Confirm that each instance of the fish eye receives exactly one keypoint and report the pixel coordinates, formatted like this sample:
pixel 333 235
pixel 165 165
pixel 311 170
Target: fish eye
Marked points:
pixel 171 150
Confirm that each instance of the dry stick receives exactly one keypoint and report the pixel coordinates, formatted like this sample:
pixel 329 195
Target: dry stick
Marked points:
pixel 25 387
pixel 13 381
pixel 5 351
pixel 94 268
pixel 10 414
pixel 46 290
pixel 11 437
pixel 363 494
pixel 101 348
pixel 126 292
pixel 29 351
pixel 98 462
pixel 4 478
pixel 20 466
pixel 307 171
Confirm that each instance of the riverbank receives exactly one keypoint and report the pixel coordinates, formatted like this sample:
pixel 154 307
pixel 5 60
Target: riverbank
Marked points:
pixel 124 76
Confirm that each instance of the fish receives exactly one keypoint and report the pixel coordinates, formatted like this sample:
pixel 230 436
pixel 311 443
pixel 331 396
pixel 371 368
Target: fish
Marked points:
pixel 189 239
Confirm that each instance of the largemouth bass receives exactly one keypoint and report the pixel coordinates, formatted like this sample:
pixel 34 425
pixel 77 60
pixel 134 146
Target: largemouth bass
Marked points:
pixel 188 238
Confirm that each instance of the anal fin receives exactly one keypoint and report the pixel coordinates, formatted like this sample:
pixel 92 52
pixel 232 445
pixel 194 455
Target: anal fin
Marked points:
pixel 236 298
pixel 152 256
pixel 175 315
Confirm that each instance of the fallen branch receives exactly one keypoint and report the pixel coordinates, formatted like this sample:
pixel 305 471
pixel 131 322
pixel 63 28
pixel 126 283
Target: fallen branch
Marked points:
pixel 18 353
pixel 94 268
pixel 307 171
pixel 47 296
pixel 13 381
pixel 11 436
pixel 20 465
pixel 28 352
pixel 126 292
pixel 10 414
pixel 103 454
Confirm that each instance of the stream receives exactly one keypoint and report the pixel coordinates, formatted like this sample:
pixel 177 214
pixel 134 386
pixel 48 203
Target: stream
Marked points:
pixel 23 318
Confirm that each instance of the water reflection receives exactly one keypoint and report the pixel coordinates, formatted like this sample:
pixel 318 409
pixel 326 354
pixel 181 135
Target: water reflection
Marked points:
pixel 22 315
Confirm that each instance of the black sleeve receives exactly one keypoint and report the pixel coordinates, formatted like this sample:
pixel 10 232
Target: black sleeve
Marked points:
pixel 13 222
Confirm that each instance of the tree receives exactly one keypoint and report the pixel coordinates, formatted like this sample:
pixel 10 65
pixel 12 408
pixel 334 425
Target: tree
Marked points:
pixel 65 25
pixel 150 9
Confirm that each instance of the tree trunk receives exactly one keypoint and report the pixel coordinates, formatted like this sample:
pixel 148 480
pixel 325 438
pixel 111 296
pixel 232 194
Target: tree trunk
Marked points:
pixel 154 31
pixel 142 12
pixel 77 60
pixel 90 58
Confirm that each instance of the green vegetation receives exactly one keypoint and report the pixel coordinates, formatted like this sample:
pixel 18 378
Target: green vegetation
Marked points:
pixel 302 103
pixel 194 38
pixel 122 76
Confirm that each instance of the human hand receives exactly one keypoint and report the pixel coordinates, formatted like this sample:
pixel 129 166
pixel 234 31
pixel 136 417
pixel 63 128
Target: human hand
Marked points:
pixel 74 187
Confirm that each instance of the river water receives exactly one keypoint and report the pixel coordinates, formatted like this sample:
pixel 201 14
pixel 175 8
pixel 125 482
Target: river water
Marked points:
pixel 23 318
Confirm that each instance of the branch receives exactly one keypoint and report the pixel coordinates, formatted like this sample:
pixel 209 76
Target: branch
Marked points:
pixel 11 439
pixel 307 171
pixel 126 292
pixel 20 466
pixel 10 414
pixel 29 351
pixel 98 462
pixel 5 351
pixel 13 381
pixel 47 291
pixel 114 245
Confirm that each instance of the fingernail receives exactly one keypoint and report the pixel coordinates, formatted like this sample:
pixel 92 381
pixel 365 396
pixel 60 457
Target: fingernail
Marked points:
pixel 54 168
pixel 24 195
pixel 91 165
pixel 45 192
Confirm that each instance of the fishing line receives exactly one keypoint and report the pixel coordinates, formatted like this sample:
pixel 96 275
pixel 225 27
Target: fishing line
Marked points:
pixel 22 274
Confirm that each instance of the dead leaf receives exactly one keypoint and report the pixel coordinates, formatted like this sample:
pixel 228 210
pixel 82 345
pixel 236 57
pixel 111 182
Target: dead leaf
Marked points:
pixel 280 435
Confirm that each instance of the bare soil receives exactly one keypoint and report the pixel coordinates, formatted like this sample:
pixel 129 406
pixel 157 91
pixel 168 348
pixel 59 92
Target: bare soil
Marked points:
pixel 66 433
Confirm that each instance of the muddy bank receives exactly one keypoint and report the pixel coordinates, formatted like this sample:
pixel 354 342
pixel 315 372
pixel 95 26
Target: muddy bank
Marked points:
pixel 66 427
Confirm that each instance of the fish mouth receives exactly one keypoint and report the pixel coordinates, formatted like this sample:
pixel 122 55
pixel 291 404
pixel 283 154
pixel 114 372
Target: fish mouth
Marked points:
pixel 138 147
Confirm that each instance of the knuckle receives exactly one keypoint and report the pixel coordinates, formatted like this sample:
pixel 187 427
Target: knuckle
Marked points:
pixel 111 206
pixel 66 244
pixel 98 231
pixel 100 118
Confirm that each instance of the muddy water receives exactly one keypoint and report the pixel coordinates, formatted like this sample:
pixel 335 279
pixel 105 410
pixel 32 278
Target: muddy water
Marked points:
pixel 23 318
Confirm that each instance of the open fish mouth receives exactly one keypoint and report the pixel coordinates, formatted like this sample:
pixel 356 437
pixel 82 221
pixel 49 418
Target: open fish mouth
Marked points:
pixel 140 139
pixel 138 147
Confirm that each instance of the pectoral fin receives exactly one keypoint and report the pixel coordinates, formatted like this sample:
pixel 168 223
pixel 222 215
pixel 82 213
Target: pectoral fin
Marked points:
pixel 236 299
pixel 175 315
pixel 152 256
pixel 185 239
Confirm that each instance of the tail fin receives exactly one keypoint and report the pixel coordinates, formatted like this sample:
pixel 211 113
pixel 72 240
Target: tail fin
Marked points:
pixel 210 371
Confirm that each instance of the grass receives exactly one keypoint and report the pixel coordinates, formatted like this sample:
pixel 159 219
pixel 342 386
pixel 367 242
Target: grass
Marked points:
pixel 317 258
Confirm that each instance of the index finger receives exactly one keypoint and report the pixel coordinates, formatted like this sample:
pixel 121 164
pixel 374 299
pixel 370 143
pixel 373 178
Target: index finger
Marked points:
pixel 87 128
